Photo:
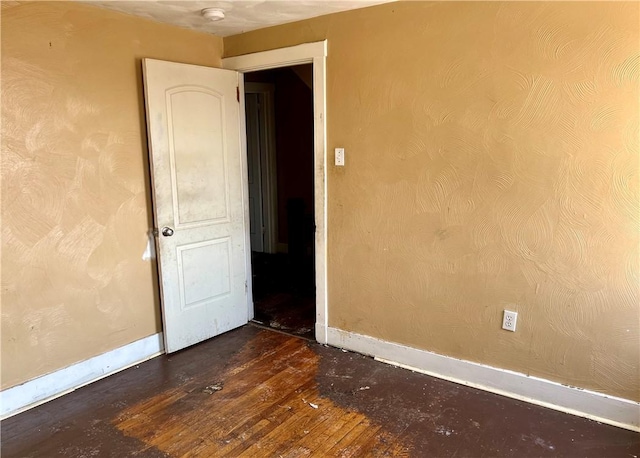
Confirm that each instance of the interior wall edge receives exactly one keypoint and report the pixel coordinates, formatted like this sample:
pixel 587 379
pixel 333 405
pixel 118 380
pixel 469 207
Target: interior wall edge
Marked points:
pixel 615 411
pixel 43 389
pixel 321 329
pixel 431 236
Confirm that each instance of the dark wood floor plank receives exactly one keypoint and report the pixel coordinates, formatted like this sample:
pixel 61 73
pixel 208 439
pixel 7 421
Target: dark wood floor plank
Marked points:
pixel 284 344
pixel 348 441
pixel 321 435
pixel 258 435
pixel 289 427
pixel 238 432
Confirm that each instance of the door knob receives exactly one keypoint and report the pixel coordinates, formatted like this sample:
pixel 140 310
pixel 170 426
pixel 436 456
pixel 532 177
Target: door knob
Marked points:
pixel 167 231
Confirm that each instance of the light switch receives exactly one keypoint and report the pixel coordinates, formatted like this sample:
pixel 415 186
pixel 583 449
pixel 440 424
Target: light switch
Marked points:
pixel 340 156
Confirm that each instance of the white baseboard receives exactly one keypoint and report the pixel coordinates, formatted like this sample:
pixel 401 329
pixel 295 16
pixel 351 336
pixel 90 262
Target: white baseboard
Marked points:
pixel 321 333
pixel 43 389
pixel 589 404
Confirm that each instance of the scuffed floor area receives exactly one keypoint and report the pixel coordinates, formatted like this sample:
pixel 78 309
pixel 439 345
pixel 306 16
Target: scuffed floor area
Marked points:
pixel 257 393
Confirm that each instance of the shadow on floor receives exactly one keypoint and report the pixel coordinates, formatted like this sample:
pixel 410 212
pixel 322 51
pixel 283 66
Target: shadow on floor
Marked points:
pixel 284 293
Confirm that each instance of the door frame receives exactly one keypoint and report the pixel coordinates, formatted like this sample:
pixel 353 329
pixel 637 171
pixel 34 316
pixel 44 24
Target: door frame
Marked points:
pixel 309 53
pixel 268 170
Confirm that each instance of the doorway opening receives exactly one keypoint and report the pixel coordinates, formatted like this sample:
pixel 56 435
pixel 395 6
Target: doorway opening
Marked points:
pixel 280 160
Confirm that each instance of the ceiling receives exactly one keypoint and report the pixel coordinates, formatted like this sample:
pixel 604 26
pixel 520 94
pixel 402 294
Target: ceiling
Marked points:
pixel 241 15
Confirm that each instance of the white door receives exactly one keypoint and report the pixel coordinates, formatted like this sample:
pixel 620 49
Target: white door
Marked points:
pixel 193 124
pixel 256 209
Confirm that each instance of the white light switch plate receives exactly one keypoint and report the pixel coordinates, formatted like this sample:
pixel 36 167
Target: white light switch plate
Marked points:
pixel 340 156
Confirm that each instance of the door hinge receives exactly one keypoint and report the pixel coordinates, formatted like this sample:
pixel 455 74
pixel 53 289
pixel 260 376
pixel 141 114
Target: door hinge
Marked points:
pixel 238 93
pixel 246 287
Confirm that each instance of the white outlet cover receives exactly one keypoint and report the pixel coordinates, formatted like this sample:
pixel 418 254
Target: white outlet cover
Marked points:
pixel 509 320
pixel 339 156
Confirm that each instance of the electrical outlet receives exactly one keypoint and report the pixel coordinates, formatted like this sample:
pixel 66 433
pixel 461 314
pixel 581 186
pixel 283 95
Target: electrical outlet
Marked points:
pixel 509 320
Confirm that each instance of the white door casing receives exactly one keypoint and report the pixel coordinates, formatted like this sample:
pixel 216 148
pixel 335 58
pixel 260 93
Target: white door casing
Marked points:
pixel 315 53
pixel 198 181
pixel 262 134
pixel 254 164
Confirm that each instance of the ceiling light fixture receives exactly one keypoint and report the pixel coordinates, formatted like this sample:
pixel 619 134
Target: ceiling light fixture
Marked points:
pixel 213 14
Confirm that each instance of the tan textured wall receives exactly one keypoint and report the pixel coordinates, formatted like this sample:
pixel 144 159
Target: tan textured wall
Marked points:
pixel 75 192
pixel 492 163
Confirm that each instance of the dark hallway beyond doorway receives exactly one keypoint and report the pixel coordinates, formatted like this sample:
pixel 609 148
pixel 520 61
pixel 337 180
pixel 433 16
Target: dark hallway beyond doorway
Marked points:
pixel 280 124
pixel 284 293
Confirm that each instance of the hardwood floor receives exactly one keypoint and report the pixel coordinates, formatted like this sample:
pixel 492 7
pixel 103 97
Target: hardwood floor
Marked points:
pixel 258 393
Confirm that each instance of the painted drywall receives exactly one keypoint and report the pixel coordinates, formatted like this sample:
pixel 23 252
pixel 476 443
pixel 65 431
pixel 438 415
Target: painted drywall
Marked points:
pixel 491 163
pixel 76 207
